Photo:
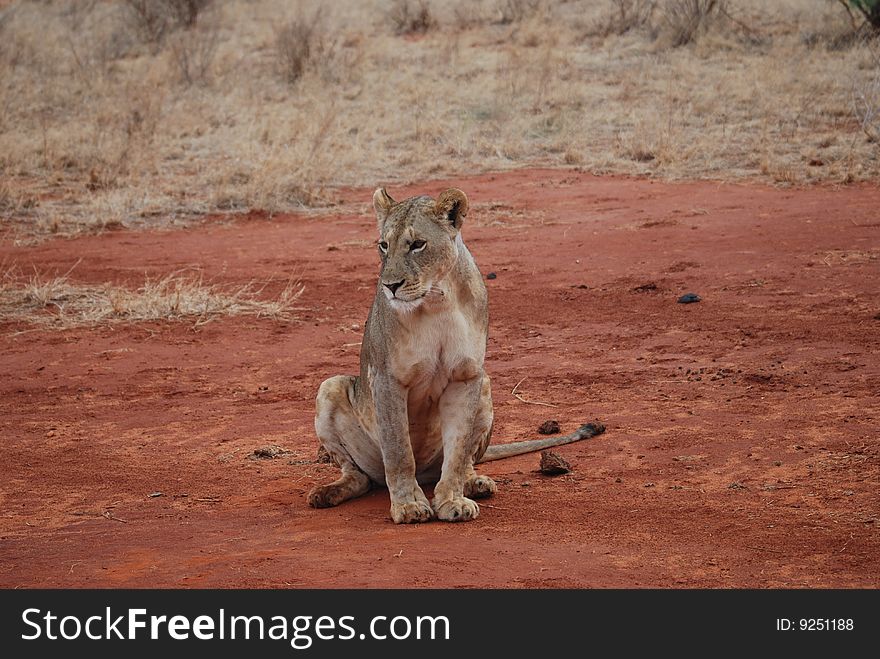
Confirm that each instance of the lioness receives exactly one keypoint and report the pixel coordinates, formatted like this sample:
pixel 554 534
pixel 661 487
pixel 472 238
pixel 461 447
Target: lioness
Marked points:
pixel 421 409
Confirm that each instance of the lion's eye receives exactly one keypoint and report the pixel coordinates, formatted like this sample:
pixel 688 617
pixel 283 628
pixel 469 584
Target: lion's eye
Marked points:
pixel 417 245
pixel 383 246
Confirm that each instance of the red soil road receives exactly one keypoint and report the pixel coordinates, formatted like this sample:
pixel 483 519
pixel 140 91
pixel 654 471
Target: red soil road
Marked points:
pixel 742 443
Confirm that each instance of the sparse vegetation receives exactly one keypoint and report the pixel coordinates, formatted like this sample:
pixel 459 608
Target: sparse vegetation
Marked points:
pixel 193 54
pixel 155 19
pixel 58 302
pixel 626 15
pixel 297 44
pixel 684 20
pixel 258 105
pixel 516 11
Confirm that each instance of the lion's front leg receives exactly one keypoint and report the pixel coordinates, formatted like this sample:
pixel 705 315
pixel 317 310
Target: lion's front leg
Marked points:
pixel 466 421
pixel 408 503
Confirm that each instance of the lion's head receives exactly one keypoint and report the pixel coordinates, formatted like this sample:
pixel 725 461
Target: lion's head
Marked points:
pixel 418 244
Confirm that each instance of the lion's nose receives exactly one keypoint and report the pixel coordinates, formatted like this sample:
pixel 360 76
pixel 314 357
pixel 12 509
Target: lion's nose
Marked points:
pixel 394 286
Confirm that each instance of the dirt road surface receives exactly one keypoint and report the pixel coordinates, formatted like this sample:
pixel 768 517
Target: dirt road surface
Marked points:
pixel 742 443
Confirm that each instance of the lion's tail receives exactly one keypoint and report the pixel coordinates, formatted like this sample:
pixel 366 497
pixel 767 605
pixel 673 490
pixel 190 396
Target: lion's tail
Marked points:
pixel 501 451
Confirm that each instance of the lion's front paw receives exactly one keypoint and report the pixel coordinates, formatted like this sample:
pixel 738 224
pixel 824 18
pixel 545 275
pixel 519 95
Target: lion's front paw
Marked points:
pixel 480 487
pixel 459 509
pixel 411 512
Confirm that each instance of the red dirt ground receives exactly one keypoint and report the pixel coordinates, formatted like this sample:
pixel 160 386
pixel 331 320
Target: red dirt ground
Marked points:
pixel 742 443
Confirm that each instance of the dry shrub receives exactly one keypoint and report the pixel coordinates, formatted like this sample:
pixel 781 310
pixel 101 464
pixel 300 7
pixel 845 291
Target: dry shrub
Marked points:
pixel 411 17
pixel 60 303
pixel 469 14
pixel 304 45
pixel 154 19
pixel 517 11
pixel 297 45
pixel 624 16
pixel 866 101
pixel 192 54
pixel 11 53
pixel 684 20
pixel 184 13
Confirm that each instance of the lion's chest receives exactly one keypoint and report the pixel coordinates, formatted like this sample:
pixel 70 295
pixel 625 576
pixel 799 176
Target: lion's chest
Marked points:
pixel 437 349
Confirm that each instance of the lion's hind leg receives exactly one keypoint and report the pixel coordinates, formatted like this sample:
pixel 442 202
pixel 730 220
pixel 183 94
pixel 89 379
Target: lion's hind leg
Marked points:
pixel 337 427
pixel 477 486
pixel 353 483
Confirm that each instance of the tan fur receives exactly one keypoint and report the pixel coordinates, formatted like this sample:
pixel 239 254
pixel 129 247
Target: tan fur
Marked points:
pixel 421 409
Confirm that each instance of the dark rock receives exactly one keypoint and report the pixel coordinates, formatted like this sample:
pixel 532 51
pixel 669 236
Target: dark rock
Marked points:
pixel 550 427
pixel 553 464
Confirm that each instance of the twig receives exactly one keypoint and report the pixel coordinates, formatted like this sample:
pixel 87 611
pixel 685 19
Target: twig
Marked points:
pixel 852 18
pixel 110 515
pixel 737 21
pixel 530 402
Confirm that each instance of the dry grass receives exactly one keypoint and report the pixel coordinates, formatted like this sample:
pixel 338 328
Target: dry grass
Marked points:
pixel 411 16
pixel 103 125
pixel 624 16
pixel 685 20
pixel 57 302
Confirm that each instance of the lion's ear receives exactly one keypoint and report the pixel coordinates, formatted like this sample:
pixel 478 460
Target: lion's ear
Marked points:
pixel 382 203
pixel 452 207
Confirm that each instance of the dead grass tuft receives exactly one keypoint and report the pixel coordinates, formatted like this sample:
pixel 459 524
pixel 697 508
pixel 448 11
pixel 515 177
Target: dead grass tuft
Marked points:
pixel 193 54
pixel 684 20
pixel 155 19
pixel 57 302
pixel 411 17
pixel 517 11
pixel 298 44
pixel 624 16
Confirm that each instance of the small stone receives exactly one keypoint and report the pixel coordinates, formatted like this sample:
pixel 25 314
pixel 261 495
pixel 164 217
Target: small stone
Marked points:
pixel 553 464
pixel 689 298
pixel 491 275
pixel 153 495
